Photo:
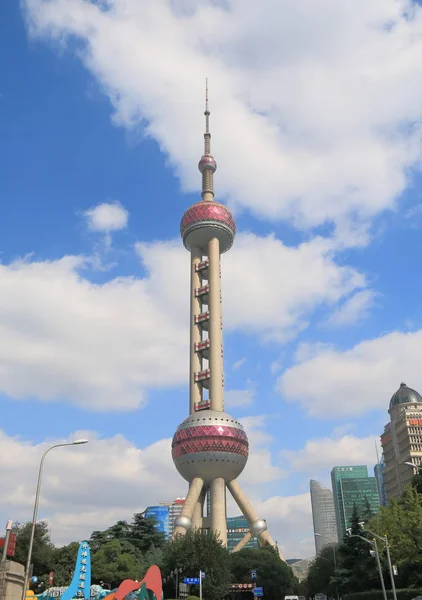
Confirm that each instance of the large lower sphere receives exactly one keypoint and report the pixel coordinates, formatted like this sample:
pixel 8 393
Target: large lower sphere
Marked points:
pixel 210 444
pixel 206 220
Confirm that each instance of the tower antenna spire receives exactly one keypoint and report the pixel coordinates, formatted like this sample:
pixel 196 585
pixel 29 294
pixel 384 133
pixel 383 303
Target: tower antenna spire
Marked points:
pixel 207 164
pixel 207 111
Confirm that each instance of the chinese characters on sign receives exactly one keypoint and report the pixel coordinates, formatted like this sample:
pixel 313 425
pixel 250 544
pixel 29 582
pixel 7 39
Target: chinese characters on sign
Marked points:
pixel 81 582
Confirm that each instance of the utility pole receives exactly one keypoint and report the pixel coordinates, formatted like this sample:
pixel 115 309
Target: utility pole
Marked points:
pixel 390 566
pixel 375 545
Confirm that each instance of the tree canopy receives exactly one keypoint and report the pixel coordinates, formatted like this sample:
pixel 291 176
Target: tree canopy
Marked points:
pixel 401 521
pixel 273 574
pixel 199 551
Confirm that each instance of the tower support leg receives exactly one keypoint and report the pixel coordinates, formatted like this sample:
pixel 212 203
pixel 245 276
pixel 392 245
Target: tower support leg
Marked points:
pixel 257 526
pixel 198 511
pixel 218 508
pixel 246 538
pixel 184 521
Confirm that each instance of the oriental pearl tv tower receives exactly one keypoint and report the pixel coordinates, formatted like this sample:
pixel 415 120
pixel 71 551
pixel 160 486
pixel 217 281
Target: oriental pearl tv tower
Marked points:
pixel 210 448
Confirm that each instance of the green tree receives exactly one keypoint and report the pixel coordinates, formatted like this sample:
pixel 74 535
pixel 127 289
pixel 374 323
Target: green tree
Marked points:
pixel 402 522
pixel 42 551
pixel 120 531
pixel 273 574
pixel 64 559
pixel 322 576
pixel 417 481
pixel 357 569
pixel 144 534
pixel 110 563
pixel 194 552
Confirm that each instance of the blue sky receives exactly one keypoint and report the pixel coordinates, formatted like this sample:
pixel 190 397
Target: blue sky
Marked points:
pixel 101 109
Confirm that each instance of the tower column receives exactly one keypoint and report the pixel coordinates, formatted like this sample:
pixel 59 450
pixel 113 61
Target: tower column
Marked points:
pixel 195 390
pixel 257 526
pixel 198 511
pixel 214 305
pixel 184 521
pixel 218 508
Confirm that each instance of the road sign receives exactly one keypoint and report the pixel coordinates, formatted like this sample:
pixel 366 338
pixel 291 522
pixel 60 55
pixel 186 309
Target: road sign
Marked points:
pixel 258 591
pixel 191 580
pixel 202 574
pixel 253 574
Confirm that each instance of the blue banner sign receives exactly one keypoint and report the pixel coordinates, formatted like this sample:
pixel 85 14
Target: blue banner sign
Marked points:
pixel 191 580
pixel 81 582
pixel 258 591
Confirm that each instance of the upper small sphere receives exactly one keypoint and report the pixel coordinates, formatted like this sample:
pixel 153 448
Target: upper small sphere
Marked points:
pixel 205 220
pixel 210 444
pixel 207 162
pixel 405 395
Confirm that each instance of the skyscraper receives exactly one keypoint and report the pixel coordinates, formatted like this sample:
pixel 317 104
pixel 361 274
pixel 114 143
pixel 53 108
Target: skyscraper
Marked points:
pixel 355 493
pixel 323 515
pixel 362 493
pixel 160 513
pixel 210 448
pixel 236 529
pixel 379 478
pixel 165 514
pixel 402 440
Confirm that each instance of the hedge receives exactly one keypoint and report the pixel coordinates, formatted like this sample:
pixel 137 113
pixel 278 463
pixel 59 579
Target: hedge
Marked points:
pixel 406 594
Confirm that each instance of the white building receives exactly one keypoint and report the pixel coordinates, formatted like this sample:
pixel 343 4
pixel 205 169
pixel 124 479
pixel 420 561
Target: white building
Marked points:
pixel 323 515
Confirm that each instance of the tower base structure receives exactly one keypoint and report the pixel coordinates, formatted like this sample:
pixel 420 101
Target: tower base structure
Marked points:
pixel 192 513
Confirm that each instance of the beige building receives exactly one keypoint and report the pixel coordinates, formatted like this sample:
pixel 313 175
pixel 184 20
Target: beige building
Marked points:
pixel 402 440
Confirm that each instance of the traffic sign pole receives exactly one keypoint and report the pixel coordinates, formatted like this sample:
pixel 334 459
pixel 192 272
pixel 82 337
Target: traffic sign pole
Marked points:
pixel 200 585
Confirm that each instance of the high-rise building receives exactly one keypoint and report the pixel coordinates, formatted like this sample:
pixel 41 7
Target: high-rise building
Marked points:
pixel 339 474
pixel 379 478
pixel 210 448
pixel 160 514
pixel 362 493
pixel 165 514
pixel 323 515
pixel 402 440
pixel 237 527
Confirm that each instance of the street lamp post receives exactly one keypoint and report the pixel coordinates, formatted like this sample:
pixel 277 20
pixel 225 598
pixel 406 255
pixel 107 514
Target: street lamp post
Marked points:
pixel 390 566
pixel 34 515
pixel 377 555
pixel 333 545
pixel 415 467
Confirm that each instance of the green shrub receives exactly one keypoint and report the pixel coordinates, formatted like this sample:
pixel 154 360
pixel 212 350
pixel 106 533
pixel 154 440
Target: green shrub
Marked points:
pixel 406 594
pixel 192 598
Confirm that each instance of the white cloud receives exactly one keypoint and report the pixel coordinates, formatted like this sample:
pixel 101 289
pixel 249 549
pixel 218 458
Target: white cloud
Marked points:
pixel 355 309
pixel 284 284
pixel 110 486
pixel 238 363
pixel 102 346
pixel 322 454
pixel 107 217
pixel 291 524
pixel 318 103
pixel 98 346
pixel 355 381
pixel 237 398
pixel 117 479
